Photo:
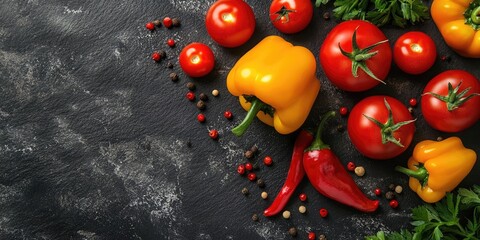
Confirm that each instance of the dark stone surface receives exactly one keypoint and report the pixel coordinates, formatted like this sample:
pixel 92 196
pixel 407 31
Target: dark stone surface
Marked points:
pixel 96 141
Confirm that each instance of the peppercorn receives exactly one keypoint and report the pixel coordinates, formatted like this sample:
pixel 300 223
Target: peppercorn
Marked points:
pixel 201 117
pixel 191 86
pixel 170 65
pixel 311 236
pixel 150 26
pixel 260 183
pixel 340 128
pixel 391 186
pixel 252 176
pixel 203 97
pixel 248 154
pixel 264 195
pixel 410 109
pixel 389 195
pixel 323 212
pixel 255 217
pixel 173 77
pixel 189 144
pixel 213 134
pixel 157 22
pixel 254 149
pixel 351 166
pixel 412 102
pixel 162 53
pixel 292 231
pixel 201 105
pixel 248 166
pixel 175 22
pixel 267 160
pixel 326 16
pixel 215 92
pixel 377 191
pixel 156 57
pixel 398 189
pixel 190 96
pixel 302 209
pixel 303 197
pixel 343 111
pixel 393 203
pixel 245 191
pixel 241 169
pixel 286 214
pixel 360 171
pixel 167 22
pixel 439 139
pixel 171 42
pixel 322 237
pixel 228 115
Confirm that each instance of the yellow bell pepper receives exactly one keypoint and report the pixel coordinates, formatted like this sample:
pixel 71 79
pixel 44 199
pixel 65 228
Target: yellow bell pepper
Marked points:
pixel 276 82
pixel 459 24
pixel 438 167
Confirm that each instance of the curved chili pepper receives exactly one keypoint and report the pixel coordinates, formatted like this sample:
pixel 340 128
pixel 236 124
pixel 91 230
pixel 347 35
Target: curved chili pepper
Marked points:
pixel 296 172
pixel 329 177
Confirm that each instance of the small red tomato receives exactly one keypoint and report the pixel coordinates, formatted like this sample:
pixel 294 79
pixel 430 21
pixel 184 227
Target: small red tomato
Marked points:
pixel 230 23
pixel 343 111
pixel 171 42
pixel 248 166
pixel 291 16
pixel 227 114
pixel 311 236
pixel 323 212
pixel 414 52
pixel 252 176
pixel 150 26
pixel 213 134
pixel 167 22
pixel 197 60
pixel 393 203
pixel 241 169
pixel 303 197
pixel 351 166
pixel 377 191
pixel 190 96
pixel 201 117
pixel 267 160
pixel 156 56
pixel 412 102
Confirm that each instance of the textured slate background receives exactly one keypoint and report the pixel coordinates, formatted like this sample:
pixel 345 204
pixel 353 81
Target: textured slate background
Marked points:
pixel 93 134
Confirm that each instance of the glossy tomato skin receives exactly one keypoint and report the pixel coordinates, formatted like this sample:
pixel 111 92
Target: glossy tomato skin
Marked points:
pixel 298 14
pixel 414 52
pixel 366 135
pixel 196 59
pixel 338 68
pixel 435 111
pixel 230 23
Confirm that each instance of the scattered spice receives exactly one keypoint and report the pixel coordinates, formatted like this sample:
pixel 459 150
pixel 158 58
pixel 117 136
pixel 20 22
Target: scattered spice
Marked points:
pixel 377 191
pixel 410 109
pixel 326 15
pixel 412 102
pixel 292 231
pixel 213 134
pixel 173 77
pixel 323 212
pixel 267 160
pixel 439 139
pixel 303 197
pixel 241 169
pixel 351 166
pixel 167 22
pixel 254 149
pixel 260 183
pixel 171 42
pixel 264 195
pixel 255 217
pixel 302 209
pixel 248 154
pixel 393 203
pixel 201 117
pixel 157 22
pixel 190 96
pixel 248 166
pixel 163 54
pixel 203 97
pixel 252 176
pixel 311 236
pixel 245 191
pixel 170 65
pixel 191 86
pixel 391 186
pixel 156 56
pixel 175 22
pixel 322 237
pixel 228 115
pixel 150 26
pixel 340 128
pixel 389 195
pixel 215 92
pixel 286 214
pixel 343 111
pixel 360 171
pixel 201 105
pixel 398 189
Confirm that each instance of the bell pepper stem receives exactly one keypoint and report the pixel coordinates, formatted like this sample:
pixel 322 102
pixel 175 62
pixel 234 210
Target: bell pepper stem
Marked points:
pixel 318 143
pixel 421 173
pixel 476 15
pixel 256 106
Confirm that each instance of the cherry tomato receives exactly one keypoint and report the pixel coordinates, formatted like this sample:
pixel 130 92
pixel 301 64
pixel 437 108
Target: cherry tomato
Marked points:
pixel 337 65
pixel 291 16
pixel 230 23
pixel 414 52
pixel 446 90
pixel 196 59
pixel 370 138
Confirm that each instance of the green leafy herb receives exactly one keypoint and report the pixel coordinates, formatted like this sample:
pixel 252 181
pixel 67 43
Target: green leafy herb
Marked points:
pixel 380 12
pixel 457 216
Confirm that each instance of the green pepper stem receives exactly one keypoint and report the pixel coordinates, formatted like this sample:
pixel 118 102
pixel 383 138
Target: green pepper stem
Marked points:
pixel 475 16
pixel 256 106
pixel 421 173
pixel 318 144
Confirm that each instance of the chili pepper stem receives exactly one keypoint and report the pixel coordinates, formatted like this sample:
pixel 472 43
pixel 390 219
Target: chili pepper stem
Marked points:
pixel 318 144
pixel 421 173
pixel 256 106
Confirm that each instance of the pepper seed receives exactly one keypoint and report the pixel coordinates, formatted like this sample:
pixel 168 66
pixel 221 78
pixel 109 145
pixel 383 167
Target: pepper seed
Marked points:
pixel 201 105
pixel 292 231
pixel 360 171
pixel 286 214
pixel 389 195
pixel 398 189
pixel 245 191
pixel 302 209
pixel 173 77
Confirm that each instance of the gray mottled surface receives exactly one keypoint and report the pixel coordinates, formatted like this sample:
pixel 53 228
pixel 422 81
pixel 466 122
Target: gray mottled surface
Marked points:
pixel 94 136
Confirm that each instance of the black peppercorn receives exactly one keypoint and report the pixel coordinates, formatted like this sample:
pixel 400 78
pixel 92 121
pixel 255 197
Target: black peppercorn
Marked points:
pixel 322 237
pixel 254 149
pixel 245 191
pixel 162 53
pixel 189 144
pixel 326 16
pixel 292 231
pixel 201 105
pixel 389 195
pixel 391 186
pixel 157 22
pixel 175 22
pixel 170 65
pixel 340 128
pixel 173 77
pixel 203 97
pixel 255 217
pixel 191 86
pixel 260 183
pixel 248 154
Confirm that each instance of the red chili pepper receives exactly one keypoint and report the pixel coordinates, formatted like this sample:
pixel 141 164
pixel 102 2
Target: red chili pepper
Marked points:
pixel 296 172
pixel 329 177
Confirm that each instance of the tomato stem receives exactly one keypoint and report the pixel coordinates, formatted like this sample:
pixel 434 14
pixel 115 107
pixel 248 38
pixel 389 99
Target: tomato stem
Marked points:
pixel 454 99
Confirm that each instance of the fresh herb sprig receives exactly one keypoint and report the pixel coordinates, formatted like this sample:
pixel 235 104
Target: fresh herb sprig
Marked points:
pixel 380 12
pixel 457 216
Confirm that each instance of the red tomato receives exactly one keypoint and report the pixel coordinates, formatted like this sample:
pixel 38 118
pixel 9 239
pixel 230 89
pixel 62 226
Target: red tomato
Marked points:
pixel 230 23
pixel 414 52
pixel 196 59
pixel 373 140
pixel 437 97
pixel 338 67
pixel 291 16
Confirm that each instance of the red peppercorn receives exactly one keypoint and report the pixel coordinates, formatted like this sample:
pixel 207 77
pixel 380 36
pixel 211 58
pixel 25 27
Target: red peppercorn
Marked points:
pixel 377 191
pixel 156 56
pixel 241 169
pixel 351 166
pixel 248 166
pixel 150 26
pixel 190 96
pixel 412 102
pixel 343 111
pixel 171 42
pixel 252 176
pixel 201 117
pixel 227 114
pixel 311 236
pixel 267 160
pixel 323 212
pixel 213 134
pixel 393 203
pixel 167 22
pixel 303 197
